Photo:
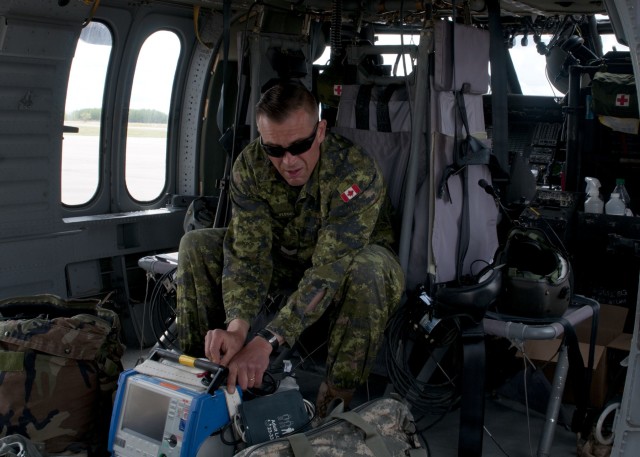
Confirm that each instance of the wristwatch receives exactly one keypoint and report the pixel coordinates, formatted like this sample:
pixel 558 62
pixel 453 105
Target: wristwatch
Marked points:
pixel 271 338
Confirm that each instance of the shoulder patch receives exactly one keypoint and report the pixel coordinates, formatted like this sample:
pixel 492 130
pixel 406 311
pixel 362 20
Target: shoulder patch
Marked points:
pixel 350 192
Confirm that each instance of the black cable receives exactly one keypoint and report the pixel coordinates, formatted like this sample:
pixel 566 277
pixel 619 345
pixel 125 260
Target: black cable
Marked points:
pixel 159 301
pixel 428 396
pixel 223 439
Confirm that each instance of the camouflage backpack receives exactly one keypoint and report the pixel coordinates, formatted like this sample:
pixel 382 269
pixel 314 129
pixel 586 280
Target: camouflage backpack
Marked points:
pixel 383 427
pixel 59 368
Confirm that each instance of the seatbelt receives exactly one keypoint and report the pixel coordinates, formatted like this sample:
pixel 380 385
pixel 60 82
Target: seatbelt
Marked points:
pixel 499 104
pixel 383 118
pixel 362 106
pixel 471 427
pixel 223 210
pixel 472 399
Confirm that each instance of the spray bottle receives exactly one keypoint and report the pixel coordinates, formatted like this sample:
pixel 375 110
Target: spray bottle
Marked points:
pixel 593 203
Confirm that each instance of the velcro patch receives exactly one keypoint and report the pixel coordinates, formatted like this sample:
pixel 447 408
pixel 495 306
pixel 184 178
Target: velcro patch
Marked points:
pixel 350 192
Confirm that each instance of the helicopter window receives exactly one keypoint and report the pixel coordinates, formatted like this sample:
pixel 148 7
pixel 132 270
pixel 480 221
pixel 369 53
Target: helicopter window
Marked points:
pixel 146 153
pixel 531 68
pixel 538 74
pixel 610 43
pixel 392 61
pixel 397 65
pixel 80 148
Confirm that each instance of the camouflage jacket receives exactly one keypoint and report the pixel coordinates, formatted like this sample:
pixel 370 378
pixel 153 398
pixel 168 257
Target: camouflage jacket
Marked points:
pixel 319 226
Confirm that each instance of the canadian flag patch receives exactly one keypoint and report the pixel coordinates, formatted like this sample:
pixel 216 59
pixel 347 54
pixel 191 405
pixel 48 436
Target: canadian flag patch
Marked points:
pixel 351 192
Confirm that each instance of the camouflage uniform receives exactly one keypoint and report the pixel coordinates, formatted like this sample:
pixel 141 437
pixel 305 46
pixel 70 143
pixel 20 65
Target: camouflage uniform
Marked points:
pixel 333 233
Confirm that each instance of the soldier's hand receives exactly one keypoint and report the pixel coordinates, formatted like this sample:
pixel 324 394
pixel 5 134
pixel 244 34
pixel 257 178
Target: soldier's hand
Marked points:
pixel 248 366
pixel 221 345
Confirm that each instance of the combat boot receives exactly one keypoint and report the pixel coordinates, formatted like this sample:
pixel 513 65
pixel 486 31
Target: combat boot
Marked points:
pixel 329 397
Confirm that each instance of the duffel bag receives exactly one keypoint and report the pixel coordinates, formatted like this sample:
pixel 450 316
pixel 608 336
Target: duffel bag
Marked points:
pixel 383 427
pixel 59 367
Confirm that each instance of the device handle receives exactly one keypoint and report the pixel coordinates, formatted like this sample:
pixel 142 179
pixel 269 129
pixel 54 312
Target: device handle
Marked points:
pixel 218 372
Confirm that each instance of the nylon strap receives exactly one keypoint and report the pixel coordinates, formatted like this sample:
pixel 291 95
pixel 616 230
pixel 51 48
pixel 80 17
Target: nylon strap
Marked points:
pixel 499 103
pixel 372 439
pixel 465 223
pixel 382 108
pixel 472 404
pixel 362 107
pixel 300 445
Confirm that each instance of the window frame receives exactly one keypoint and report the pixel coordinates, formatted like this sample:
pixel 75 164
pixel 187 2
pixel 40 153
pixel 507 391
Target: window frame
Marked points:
pixel 129 34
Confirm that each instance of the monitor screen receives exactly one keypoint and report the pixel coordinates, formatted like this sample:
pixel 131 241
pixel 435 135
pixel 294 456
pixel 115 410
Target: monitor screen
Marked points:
pixel 145 412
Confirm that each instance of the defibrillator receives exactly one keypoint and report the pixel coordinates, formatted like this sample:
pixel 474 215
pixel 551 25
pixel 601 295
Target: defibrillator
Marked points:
pixel 164 409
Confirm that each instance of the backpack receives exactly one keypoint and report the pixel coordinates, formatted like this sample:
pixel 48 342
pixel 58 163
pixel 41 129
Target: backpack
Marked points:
pixel 59 366
pixel 383 427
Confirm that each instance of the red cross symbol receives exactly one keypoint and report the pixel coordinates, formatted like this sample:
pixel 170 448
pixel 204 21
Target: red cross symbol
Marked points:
pixel 622 100
pixel 337 89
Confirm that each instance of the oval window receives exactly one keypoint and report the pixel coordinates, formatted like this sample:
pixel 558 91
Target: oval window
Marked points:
pixel 146 153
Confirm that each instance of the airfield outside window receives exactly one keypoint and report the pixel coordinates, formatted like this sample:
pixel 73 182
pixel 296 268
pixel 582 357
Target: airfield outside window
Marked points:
pixel 146 154
pixel 80 174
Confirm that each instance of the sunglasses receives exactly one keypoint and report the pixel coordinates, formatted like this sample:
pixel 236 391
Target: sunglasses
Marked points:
pixel 294 149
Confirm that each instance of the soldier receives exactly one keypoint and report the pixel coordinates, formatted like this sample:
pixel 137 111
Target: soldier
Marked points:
pixel 310 213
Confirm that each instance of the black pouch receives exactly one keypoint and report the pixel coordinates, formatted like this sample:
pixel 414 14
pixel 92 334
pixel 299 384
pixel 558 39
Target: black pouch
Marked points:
pixel 273 416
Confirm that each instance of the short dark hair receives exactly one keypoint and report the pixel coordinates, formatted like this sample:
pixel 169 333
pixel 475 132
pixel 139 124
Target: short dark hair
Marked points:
pixel 280 100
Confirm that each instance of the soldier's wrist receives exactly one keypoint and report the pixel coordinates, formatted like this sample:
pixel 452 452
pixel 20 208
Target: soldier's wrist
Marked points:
pixel 239 326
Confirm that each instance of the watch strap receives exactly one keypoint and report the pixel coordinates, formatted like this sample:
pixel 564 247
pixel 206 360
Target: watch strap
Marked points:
pixel 271 338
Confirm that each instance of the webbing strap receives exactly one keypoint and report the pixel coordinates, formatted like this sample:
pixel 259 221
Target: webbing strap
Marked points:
pixel 462 108
pixel 301 446
pixel 499 103
pixel 464 233
pixel 382 108
pixel 472 403
pixel 362 107
pixel 579 375
pixel 465 229
pixel 372 438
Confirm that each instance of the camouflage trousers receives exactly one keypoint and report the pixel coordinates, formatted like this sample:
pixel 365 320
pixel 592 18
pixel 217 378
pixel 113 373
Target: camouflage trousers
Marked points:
pixel 357 317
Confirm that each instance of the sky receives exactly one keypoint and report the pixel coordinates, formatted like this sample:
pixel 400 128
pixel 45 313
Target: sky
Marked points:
pixel 153 77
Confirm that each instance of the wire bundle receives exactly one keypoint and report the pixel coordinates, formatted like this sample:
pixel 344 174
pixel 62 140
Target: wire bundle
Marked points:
pixel 423 368
pixel 162 310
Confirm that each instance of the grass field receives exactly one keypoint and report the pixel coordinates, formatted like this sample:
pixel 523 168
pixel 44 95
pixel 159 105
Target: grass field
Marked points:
pixel 139 130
